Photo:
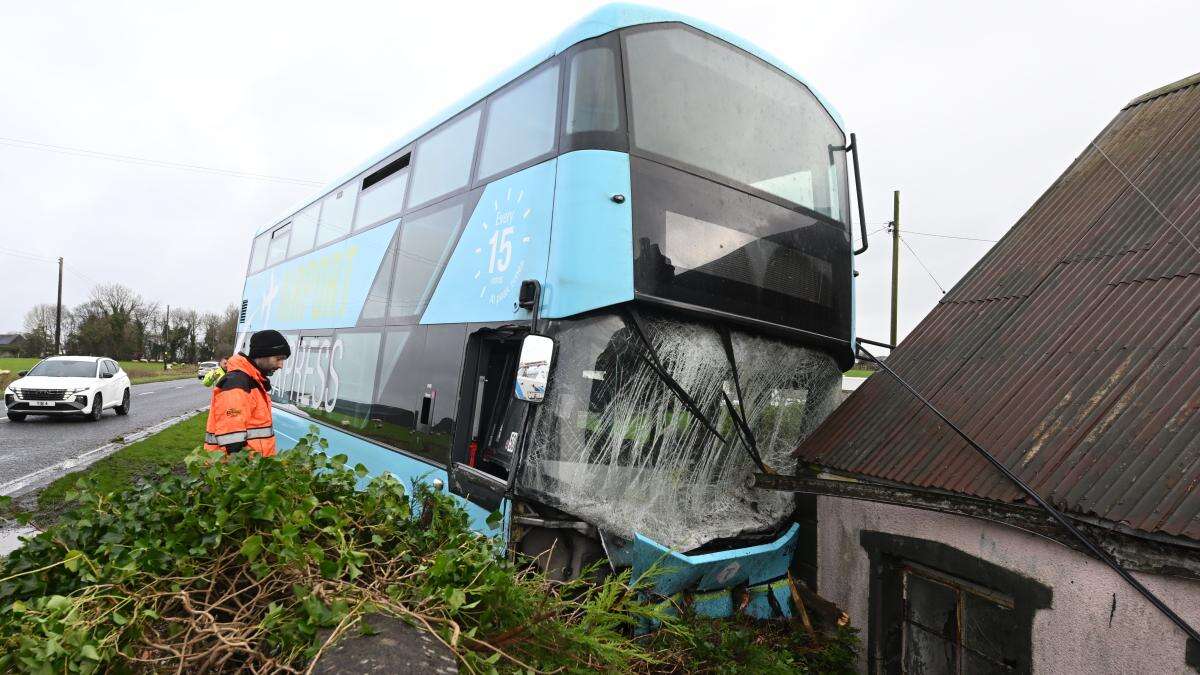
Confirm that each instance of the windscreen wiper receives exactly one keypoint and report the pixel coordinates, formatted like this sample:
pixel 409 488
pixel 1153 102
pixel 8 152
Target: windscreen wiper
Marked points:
pixel 740 420
pixel 651 358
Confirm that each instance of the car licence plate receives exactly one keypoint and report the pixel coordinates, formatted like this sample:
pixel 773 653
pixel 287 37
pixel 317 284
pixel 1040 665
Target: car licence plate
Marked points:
pixel 41 404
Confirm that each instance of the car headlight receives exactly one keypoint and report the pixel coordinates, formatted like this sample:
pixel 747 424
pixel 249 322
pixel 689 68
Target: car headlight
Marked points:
pixel 78 390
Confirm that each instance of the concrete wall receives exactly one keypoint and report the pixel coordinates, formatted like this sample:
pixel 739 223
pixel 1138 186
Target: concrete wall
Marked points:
pixel 1073 636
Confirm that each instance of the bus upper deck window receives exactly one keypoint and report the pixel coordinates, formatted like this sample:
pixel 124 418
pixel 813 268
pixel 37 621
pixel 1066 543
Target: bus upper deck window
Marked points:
pixel 442 162
pixel 304 229
pixel 258 255
pixel 520 124
pixel 279 242
pixel 382 194
pixel 592 93
pixel 336 211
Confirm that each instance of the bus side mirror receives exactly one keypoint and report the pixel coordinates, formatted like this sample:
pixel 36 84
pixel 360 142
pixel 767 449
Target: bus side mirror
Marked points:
pixel 533 368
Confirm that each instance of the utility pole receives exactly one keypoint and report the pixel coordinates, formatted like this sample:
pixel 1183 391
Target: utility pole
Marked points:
pixel 895 259
pixel 166 333
pixel 58 312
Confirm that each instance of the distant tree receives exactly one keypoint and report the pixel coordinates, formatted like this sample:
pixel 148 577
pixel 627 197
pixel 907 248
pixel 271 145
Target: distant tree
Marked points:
pixel 188 322
pixel 117 322
pixel 111 322
pixel 220 333
pixel 39 330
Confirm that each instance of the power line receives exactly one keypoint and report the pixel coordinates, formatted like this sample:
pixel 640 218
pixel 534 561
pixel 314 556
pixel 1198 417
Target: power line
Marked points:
pixel 922 263
pixel 1144 196
pixel 942 236
pixel 950 236
pixel 27 256
pixel 33 257
pixel 83 276
pixel 145 161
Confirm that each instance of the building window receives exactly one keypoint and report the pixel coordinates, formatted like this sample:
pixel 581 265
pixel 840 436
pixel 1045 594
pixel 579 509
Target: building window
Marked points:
pixel 443 160
pixel 935 609
pixel 521 123
pixel 950 625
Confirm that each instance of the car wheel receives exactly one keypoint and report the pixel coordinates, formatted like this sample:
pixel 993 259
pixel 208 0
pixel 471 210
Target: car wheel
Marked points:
pixel 97 408
pixel 16 416
pixel 123 409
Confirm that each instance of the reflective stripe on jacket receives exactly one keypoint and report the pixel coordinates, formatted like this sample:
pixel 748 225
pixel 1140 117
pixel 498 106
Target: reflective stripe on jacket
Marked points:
pixel 213 376
pixel 240 414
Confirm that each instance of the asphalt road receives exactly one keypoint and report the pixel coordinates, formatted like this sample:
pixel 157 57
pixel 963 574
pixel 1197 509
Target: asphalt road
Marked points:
pixel 39 442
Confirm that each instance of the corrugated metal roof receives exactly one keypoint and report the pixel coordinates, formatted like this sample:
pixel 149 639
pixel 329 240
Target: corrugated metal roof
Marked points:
pixel 1071 351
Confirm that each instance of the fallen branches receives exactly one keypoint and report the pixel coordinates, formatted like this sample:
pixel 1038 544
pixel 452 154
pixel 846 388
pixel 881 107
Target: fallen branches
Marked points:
pixel 260 565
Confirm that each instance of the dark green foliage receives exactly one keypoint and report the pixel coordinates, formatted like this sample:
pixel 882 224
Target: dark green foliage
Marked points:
pixel 744 645
pixel 241 564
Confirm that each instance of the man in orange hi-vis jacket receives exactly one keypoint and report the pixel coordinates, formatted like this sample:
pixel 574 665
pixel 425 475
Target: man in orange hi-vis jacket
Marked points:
pixel 239 417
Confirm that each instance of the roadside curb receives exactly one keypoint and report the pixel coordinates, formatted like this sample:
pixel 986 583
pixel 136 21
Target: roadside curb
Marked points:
pixel 44 476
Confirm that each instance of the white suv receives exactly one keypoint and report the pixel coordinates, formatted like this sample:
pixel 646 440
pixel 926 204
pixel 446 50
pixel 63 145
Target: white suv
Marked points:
pixel 204 367
pixel 65 385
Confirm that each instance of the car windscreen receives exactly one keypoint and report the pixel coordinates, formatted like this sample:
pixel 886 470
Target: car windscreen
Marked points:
pixel 64 369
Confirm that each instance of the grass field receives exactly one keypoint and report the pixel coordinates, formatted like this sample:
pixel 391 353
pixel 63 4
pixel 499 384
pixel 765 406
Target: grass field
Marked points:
pixel 166 449
pixel 139 372
pixel 859 373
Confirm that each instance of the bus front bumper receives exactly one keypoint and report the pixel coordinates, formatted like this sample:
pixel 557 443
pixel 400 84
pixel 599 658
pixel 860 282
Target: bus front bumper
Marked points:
pixel 721 584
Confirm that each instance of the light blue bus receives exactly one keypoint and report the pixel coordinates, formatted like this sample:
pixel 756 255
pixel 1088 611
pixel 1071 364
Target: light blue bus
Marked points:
pixel 597 296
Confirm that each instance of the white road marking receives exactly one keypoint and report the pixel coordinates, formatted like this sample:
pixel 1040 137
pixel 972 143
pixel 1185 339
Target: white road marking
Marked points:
pixel 90 456
pixel 147 393
pixel 10 538
pixel 179 387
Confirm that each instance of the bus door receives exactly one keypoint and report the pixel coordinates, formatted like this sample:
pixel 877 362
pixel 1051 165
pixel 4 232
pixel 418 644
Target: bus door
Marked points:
pixel 485 447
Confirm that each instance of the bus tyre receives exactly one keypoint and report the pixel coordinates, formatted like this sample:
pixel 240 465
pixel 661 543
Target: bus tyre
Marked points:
pixel 16 417
pixel 123 409
pixel 97 408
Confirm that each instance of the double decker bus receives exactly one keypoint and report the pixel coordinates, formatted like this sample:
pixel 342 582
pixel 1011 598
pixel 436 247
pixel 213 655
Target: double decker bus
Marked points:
pixel 597 296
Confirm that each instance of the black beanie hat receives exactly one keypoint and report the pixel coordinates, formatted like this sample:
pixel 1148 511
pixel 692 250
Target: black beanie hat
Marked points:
pixel 268 343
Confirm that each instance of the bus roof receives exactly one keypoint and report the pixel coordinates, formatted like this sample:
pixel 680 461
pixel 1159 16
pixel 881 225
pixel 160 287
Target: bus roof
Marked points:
pixel 603 20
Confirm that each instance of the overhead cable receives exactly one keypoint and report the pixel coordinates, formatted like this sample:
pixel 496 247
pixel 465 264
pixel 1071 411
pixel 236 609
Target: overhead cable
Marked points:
pixel 146 161
pixel 1054 513
pixel 1146 197
pixel 949 236
pixel 922 264
pixel 27 256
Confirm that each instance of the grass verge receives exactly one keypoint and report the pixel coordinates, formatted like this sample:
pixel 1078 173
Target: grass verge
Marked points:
pixel 859 373
pixel 121 469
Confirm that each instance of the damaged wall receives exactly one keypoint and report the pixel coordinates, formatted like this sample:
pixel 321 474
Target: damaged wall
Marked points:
pixel 1082 632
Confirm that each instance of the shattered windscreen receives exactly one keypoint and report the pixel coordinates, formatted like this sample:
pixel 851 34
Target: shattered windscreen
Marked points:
pixel 616 443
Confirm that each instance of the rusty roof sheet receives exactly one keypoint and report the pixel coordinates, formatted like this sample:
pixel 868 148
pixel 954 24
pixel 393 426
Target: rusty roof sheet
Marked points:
pixel 1071 351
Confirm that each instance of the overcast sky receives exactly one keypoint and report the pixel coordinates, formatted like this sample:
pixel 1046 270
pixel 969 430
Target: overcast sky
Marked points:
pixel 970 110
